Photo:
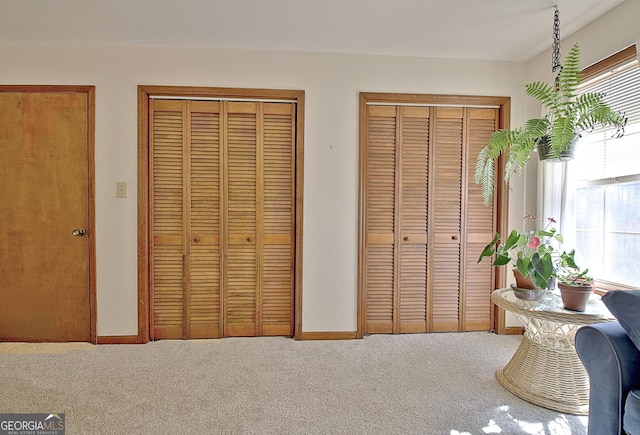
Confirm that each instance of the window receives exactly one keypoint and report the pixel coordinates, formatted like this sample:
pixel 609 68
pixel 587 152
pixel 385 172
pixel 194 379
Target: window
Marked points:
pixel 601 198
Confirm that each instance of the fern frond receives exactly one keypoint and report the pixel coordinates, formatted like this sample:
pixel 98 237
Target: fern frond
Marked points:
pixel 563 132
pixel 536 127
pixel 590 108
pixel 488 180
pixel 481 162
pixel 485 162
pixel 484 173
pixel 543 92
pixel 593 111
pixel 519 156
pixel 569 76
pixel 498 143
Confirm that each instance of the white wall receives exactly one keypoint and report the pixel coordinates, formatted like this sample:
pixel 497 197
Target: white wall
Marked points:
pixel 331 82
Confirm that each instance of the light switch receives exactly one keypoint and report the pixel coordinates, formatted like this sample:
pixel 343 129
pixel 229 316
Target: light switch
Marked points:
pixel 121 189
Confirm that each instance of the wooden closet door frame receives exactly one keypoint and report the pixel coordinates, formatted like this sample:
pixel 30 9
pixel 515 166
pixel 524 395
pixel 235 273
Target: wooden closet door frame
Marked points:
pixel 145 94
pixel 500 204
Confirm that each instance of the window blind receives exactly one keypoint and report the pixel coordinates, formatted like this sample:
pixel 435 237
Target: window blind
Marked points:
pixel 608 157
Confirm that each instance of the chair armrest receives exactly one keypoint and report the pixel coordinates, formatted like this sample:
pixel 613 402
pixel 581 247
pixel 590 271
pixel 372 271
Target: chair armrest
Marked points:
pixel 612 361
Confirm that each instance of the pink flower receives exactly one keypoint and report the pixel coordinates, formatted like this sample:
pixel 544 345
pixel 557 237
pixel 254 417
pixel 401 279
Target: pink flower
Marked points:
pixel 534 243
pixel 530 217
pixel 552 220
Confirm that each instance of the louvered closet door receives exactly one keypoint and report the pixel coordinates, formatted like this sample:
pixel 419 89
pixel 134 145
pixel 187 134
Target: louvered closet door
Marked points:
pixel 203 237
pixel 424 220
pixel 447 218
pixel 462 225
pixel 241 286
pixel 185 219
pixel 278 219
pixel 260 212
pixel 479 226
pixel 222 218
pixel 380 219
pixel 396 219
pixel 414 160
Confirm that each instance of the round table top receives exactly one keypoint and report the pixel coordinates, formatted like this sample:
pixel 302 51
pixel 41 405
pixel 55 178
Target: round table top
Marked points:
pixel 550 308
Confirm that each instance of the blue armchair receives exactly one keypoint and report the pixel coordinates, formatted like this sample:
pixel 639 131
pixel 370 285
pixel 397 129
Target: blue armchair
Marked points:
pixel 610 353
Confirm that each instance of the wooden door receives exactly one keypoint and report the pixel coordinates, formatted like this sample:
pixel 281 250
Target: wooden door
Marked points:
pixel 222 218
pixel 380 219
pixel 396 220
pixel 423 219
pixel 259 218
pixel 479 226
pixel 461 225
pixel 446 224
pixel 46 214
pixel 186 180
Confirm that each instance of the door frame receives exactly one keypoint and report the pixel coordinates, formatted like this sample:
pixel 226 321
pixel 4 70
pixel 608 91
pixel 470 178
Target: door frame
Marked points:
pixel 90 92
pixel 145 94
pixel 500 204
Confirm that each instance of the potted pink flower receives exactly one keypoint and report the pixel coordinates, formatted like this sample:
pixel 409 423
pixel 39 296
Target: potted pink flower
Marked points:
pixel 530 253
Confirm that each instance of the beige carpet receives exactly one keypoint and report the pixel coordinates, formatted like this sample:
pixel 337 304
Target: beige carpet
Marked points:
pixel 47 348
pixel 405 384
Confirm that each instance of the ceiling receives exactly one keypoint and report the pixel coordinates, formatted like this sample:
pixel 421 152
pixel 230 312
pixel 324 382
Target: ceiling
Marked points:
pixel 504 30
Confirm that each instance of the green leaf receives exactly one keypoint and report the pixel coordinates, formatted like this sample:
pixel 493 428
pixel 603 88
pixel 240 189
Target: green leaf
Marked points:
pixel 522 264
pixel 511 240
pixel 541 268
pixel 488 250
pixel 501 260
pixel 569 261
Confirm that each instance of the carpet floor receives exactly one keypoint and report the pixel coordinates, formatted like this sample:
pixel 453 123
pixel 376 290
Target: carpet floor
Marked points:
pixel 440 383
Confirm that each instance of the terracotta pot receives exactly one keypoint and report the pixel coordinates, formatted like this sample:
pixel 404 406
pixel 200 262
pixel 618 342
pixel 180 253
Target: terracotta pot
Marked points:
pixel 575 298
pixel 522 282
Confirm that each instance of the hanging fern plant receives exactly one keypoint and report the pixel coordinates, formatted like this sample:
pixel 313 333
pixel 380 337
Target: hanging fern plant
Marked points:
pixel 568 115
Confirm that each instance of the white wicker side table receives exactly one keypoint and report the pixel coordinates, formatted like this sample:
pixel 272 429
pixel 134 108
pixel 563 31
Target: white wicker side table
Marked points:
pixel 545 369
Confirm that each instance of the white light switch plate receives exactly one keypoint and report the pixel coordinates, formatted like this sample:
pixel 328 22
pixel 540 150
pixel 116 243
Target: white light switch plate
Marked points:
pixel 121 189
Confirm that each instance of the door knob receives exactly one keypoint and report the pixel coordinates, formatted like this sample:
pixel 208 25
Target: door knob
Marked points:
pixel 78 232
